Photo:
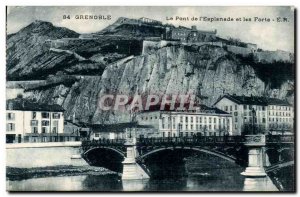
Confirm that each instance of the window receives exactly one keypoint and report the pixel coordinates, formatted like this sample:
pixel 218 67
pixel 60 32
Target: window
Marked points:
pixel 263 108
pixel 34 130
pixel 54 129
pixel 226 108
pixel 56 116
pixel 192 119
pixel 45 115
pixel 34 123
pixel 186 127
pixel 180 126
pixel 192 127
pixel 45 123
pixel 33 115
pixel 236 119
pixel 186 119
pixel 215 120
pixel 235 107
pixel 209 127
pixel 180 134
pixel 230 107
pixel 10 116
pixel 55 126
pixel 44 129
pixel 200 119
pixel 181 119
pixel 245 106
pixel 209 120
pixel 186 134
pixel 10 126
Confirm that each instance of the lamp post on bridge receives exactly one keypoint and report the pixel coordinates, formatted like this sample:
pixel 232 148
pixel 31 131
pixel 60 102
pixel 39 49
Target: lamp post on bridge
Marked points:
pixel 253 121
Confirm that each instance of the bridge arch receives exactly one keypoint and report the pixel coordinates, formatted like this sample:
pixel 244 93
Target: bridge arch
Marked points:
pixel 202 150
pixel 108 148
pixel 107 157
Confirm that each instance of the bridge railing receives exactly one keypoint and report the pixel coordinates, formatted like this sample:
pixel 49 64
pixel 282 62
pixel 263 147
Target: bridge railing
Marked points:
pixel 280 139
pixel 104 141
pixel 191 140
pixel 196 140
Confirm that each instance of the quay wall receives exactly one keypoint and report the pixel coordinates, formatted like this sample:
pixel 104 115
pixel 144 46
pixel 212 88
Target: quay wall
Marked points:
pixel 29 155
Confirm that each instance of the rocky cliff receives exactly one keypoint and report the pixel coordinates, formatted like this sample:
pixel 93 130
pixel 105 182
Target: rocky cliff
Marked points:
pixel 207 71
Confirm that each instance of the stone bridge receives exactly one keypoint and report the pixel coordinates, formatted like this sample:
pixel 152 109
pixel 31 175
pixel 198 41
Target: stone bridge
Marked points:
pixel 255 152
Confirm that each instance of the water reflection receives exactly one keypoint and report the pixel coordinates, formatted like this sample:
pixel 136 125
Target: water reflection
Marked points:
pixel 201 182
pixel 259 184
pixel 201 177
pixel 134 185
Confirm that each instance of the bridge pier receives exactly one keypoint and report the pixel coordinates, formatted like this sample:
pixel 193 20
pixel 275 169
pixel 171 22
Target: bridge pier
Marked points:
pixel 76 158
pixel 255 144
pixel 256 179
pixel 131 169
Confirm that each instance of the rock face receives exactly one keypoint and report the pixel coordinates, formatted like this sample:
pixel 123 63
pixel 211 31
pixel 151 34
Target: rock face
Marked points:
pixel 30 56
pixel 206 71
pixel 26 53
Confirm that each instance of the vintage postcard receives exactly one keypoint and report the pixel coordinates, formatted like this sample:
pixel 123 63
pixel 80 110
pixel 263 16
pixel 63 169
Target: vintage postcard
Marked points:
pixel 150 99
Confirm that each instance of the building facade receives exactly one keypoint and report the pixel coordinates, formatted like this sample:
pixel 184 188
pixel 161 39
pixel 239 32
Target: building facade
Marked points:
pixel 121 131
pixel 26 120
pixel 280 116
pixel 264 113
pixel 203 121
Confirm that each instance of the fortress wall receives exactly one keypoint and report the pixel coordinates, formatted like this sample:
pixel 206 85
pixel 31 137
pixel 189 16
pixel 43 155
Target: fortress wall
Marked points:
pixel 239 50
pixel 149 46
pixel 219 44
pixel 271 56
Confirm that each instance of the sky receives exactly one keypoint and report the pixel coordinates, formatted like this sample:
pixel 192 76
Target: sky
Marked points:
pixel 271 35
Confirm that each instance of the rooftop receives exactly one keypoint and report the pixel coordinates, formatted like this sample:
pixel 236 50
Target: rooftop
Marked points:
pixel 200 108
pixel 28 105
pixel 254 100
pixel 120 127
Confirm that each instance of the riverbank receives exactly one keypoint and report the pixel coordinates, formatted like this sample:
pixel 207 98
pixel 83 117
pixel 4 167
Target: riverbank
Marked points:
pixel 13 174
pixel 284 179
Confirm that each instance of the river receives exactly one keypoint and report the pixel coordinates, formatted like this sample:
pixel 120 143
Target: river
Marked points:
pixel 217 180
pixel 205 176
